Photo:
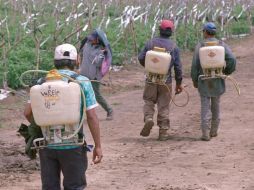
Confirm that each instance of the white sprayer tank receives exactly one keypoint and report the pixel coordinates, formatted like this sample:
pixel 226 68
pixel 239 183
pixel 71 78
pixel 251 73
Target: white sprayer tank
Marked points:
pixel 55 102
pixel 212 57
pixel 157 61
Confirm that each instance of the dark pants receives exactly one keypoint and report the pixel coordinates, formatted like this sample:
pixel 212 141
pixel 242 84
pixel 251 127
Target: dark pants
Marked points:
pixel 72 163
pixel 99 97
pixel 210 112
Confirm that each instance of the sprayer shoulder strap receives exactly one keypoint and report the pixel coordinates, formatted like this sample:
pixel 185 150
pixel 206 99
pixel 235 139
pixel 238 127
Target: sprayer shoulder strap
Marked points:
pixel 171 49
pixel 73 76
pixel 202 44
pixel 173 46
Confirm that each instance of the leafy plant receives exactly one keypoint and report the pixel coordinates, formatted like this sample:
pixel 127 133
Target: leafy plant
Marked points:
pixel 128 25
pixel 240 28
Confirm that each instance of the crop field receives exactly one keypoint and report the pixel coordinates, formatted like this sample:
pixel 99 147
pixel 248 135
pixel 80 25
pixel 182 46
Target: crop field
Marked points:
pixel 30 29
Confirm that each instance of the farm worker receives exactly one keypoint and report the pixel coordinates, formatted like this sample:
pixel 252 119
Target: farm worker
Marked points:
pixel 211 89
pixel 70 160
pixel 95 50
pixel 159 94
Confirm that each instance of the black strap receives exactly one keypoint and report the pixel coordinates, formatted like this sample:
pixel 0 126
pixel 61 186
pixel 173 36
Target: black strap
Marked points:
pixel 73 76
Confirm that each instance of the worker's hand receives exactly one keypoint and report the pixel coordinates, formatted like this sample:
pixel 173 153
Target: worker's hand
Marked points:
pixel 178 89
pixel 97 155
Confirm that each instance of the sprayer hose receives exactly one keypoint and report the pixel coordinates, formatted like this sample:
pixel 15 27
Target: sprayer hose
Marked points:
pixel 225 77
pixel 173 97
pixel 82 94
pixel 234 82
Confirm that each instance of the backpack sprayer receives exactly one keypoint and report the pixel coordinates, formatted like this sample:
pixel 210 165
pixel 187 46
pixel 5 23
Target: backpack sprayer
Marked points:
pixel 56 109
pixel 212 59
pixel 157 63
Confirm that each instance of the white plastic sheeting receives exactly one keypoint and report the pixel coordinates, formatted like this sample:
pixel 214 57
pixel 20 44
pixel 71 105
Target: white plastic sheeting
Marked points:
pixel 3 94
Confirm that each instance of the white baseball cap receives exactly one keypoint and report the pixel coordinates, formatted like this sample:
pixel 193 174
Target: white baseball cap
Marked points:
pixel 65 51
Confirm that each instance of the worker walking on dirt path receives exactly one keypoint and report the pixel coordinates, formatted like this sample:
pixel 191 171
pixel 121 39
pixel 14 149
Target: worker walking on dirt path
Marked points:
pixel 210 89
pixel 70 159
pixel 157 93
pixel 95 51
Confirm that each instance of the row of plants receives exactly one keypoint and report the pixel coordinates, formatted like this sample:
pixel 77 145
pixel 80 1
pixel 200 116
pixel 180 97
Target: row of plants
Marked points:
pixel 30 29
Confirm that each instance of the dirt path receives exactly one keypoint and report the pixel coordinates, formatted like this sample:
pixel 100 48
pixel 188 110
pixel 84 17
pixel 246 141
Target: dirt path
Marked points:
pixel 135 163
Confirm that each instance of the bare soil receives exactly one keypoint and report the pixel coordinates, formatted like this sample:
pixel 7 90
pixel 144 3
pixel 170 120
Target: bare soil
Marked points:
pixel 132 162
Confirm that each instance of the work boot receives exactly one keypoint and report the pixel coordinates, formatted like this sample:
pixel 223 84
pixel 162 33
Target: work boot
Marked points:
pixel 109 115
pixel 205 135
pixel 214 131
pixel 147 128
pixel 163 135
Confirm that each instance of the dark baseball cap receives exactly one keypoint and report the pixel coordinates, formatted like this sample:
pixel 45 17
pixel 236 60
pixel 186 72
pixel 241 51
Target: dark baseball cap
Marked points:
pixel 209 27
pixel 93 36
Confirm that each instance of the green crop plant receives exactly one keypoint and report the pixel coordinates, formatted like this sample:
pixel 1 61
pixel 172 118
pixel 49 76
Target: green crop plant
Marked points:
pixel 128 25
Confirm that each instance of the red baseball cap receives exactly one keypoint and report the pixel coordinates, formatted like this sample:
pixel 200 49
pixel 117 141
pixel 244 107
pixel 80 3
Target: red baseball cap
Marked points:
pixel 167 24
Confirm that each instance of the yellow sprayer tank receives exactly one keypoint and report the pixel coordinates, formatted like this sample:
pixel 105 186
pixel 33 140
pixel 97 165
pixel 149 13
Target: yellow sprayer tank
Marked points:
pixel 157 61
pixel 212 57
pixel 55 102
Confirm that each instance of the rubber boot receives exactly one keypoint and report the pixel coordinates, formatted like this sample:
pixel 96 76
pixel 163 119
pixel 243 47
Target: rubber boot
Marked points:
pixel 205 135
pixel 163 135
pixel 145 132
pixel 214 131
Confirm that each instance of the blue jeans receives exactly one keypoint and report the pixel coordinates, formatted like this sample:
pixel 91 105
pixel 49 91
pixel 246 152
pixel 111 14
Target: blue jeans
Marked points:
pixel 72 163
pixel 210 112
